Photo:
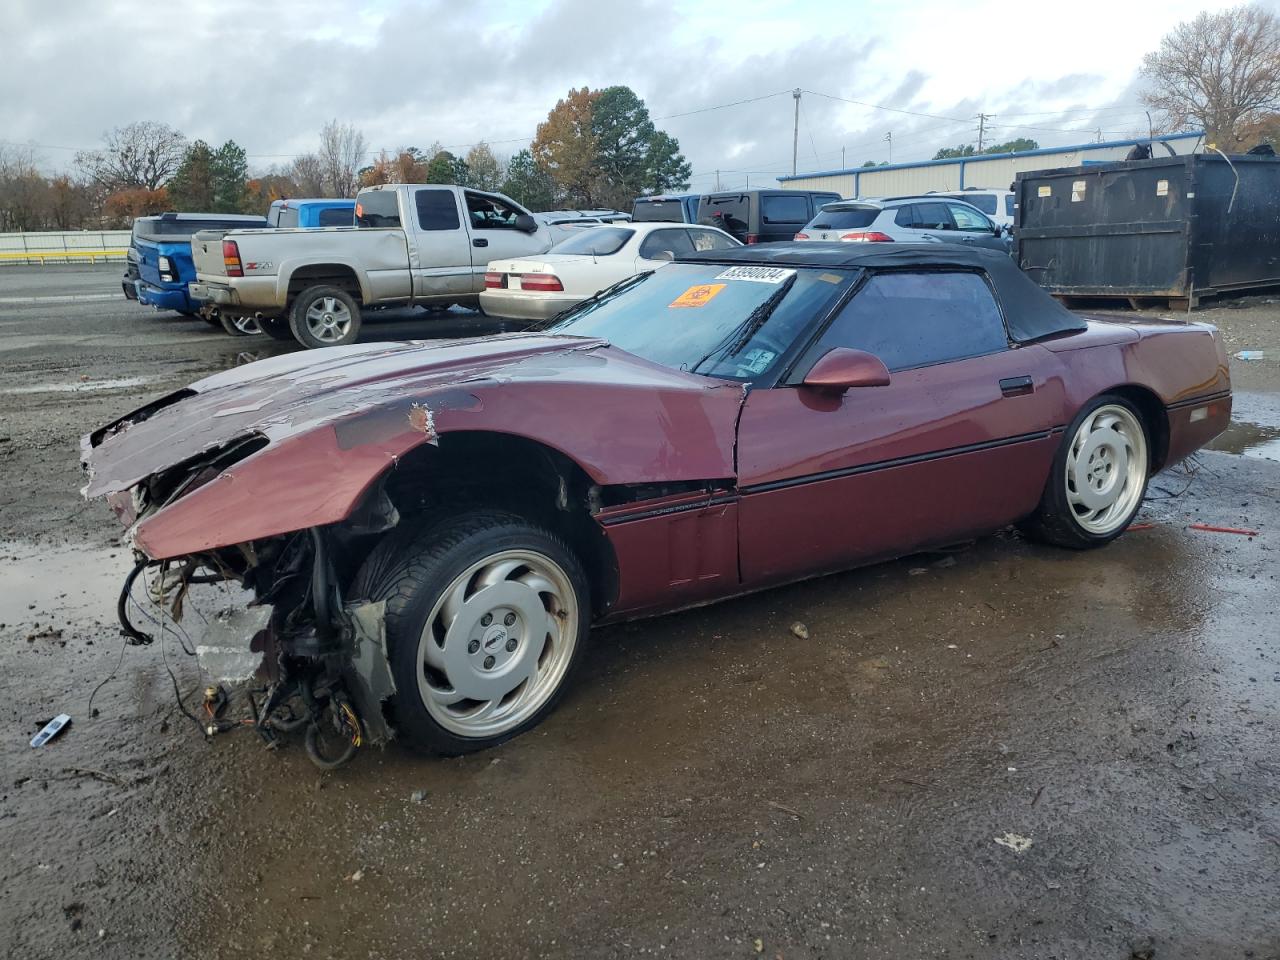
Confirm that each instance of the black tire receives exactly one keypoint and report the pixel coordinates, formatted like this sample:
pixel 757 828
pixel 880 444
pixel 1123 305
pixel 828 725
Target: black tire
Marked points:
pixel 1055 521
pixel 306 299
pixel 277 328
pixel 411 570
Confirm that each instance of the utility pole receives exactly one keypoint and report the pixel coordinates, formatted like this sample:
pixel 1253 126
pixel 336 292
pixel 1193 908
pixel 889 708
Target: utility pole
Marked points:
pixel 1151 130
pixel 889 139
pixel 842 161
pixel 717 181
pixel 982 129
pixel 795 132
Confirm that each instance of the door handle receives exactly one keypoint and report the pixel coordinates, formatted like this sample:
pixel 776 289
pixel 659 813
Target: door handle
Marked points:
pixel 479 242
pixel 1016 386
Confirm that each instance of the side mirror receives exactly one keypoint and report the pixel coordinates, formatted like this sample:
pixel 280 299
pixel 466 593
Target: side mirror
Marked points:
pixel 663 255
pixel 997 229
pixel 526 223
pixel 841 368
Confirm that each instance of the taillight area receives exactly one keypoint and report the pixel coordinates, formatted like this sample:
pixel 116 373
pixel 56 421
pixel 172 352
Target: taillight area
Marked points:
pixel 753 238
pixel 495 281
pixel 545 282
pixel 867 236
pixel 801 236
pixel 231 258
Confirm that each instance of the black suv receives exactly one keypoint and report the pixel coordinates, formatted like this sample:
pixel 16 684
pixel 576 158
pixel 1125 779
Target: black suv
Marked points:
pixel 762 216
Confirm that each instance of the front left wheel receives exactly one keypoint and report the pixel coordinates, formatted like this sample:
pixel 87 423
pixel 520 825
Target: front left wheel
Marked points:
pixel 487 616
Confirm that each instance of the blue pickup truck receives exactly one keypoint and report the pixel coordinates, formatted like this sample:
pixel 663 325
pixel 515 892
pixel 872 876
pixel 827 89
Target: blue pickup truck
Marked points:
pixel 159 257
pixel 312 212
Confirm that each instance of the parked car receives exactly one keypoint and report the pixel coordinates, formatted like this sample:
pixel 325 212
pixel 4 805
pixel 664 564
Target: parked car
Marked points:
pixel 762 216
pixel 669 208
pixel 435 526
pixel 998 205
pixel 312 212
pixel 925 219
pixel 159 265
pixel 412 244
pixel 540 287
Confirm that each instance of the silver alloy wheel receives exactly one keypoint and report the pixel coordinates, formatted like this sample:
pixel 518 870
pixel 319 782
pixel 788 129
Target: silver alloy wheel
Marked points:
pixel 497 643
pixel 248 325
pixel 1106 469
pixel 328 319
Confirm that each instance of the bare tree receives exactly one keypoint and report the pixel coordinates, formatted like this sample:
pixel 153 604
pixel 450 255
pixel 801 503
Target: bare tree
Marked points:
pixel 341 148
pixel 307 174
pixel 485 171
pixel 1220 71
pixel 141 155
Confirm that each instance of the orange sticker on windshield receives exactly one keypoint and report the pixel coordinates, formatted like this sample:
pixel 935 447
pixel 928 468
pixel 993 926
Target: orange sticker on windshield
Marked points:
pixel 697 296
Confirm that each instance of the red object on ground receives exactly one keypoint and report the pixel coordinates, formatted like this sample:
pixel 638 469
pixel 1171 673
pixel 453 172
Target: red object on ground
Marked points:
pixel 1141 526
pixel 1208 529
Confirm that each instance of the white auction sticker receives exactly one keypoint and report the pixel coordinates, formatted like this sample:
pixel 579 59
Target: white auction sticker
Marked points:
pixel 756 274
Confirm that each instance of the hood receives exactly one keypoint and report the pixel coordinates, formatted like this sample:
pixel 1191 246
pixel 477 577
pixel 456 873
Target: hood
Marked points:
pixel 615 414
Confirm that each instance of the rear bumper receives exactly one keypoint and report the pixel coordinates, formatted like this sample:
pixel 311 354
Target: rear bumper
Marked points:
pixel 517 305
pixel 162 298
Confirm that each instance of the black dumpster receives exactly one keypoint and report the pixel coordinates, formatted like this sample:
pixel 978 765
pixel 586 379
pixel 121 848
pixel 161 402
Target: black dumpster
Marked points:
pixel 1173 229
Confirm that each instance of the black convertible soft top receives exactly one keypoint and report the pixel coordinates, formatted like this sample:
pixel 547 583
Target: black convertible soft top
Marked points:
pixel 1029 312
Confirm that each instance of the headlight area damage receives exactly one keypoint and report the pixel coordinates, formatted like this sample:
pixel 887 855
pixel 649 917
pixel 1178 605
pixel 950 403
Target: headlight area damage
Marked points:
pixel 414 539
pixel 270 615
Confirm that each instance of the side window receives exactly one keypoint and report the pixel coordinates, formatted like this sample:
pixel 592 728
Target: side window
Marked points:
pixel 673 242
pixel 931 216
pixel 906 216
pixel 335 217
pixel 917 319
pixel 775 208
pixel 970 221
pixel 490 213
pixel 437 210
pixel 377 208
pixel 710 240
pixel 288 217
pixel 1009 205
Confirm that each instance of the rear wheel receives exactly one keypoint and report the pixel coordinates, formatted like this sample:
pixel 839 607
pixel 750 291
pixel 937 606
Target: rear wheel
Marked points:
pixel 1099 477
pixel 324 316
pixel 239 325
pixel 487 616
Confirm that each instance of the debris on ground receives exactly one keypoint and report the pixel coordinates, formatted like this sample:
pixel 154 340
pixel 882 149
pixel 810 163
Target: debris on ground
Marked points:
pixel 800 631
pixel 44 633
pixel 1208 528
pixel 1250 355
pixel 1014 842
pixel 51 730
pixel 418 796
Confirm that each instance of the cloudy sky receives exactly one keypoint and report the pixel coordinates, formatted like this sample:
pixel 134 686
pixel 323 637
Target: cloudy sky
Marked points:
pixel 269 73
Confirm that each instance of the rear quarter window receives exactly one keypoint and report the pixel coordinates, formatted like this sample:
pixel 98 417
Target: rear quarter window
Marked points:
pixel 377 208
pixel 782 209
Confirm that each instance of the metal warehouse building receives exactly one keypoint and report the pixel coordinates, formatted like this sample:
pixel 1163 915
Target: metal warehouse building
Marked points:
pixel 986 171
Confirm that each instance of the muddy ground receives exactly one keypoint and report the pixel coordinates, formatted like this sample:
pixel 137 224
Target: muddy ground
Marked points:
pixel 713 786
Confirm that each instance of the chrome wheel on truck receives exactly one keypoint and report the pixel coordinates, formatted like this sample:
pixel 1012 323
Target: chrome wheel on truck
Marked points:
pixel 324 316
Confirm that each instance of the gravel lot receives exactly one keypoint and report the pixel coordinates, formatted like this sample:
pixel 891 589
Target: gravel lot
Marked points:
pixel 714 786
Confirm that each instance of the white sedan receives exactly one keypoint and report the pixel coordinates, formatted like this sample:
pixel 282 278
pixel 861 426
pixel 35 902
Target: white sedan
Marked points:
pixel 535 288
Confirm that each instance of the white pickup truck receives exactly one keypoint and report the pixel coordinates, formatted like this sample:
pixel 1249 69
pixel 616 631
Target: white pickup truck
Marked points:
pixel 412 245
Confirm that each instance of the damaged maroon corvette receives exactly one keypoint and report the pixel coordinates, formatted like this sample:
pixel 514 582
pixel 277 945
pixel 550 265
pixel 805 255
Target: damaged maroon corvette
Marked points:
pixel 425 532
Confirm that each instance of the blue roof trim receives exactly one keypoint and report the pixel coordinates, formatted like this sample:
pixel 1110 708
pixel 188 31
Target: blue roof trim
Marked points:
pixel 1042 151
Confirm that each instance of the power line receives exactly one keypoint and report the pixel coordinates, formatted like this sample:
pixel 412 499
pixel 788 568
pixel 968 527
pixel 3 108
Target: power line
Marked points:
pixel 877 106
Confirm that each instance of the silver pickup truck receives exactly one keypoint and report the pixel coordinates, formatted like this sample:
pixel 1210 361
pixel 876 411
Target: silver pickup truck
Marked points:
pixel 412 244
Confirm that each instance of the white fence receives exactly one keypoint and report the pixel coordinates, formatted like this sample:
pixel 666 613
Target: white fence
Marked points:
pixel 71 246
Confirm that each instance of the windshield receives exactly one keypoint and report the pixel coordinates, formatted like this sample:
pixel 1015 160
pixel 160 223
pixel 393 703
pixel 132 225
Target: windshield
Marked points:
pixel 651 211
pixel 596 241
pixel 733 322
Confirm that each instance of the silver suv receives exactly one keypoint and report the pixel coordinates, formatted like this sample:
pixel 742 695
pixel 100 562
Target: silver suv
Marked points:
pixel 927 219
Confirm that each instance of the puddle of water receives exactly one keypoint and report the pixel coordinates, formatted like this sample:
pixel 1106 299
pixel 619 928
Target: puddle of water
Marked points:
pixel 1255 427
pixel 57 585
pixel 82 386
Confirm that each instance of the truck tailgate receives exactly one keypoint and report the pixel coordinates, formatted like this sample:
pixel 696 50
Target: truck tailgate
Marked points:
pixel 206 253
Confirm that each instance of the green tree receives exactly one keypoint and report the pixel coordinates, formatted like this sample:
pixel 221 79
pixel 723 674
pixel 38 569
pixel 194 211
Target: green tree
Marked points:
pixel 192 187
pixel 666 167
pixel 951 153
pixel 446 168
pixel 1017 145
pixel 230 170
pixel 528 183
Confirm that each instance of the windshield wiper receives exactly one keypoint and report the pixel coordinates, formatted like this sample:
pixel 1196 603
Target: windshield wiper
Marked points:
pixel 583 307
pixel 741 335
